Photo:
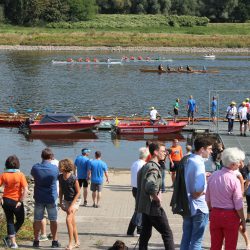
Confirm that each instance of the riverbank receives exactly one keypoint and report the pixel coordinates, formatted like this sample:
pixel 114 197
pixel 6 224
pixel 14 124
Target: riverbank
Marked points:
pixel 130 49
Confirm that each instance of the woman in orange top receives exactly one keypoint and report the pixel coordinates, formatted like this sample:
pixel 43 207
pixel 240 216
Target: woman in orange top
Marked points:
pixel 174 157
pixel 15 190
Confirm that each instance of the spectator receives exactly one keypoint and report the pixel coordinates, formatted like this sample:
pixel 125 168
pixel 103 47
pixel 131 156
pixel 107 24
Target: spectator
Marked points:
pixel 231 113
pixel 14 193
pixel 81 166
pixel 45 177
pixel 195 179
pixel 247 192
pixel 148 199
pixel 191 108
pixel 136 166
pixel 214 110
pixel 188 150
pixel 69 194
pixel 96 170
pixel 224 199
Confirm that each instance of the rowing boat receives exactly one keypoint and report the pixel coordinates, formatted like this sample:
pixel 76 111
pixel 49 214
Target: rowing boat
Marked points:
pixel 209 56
pixel 87 63
pixel 178 71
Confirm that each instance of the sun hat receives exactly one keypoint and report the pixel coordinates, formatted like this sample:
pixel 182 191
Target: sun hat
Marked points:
pixel 233 103
pixel 247 99
pixel 152 107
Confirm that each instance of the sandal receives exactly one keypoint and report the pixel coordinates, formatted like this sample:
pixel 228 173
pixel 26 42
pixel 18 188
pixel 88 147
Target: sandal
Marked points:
pixel 77 245
pixel 69 247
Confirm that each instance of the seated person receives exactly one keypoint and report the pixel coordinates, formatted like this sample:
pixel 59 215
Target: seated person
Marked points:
pixel 180 68
pixel 189 68
pixel 168 68
pixel 160 67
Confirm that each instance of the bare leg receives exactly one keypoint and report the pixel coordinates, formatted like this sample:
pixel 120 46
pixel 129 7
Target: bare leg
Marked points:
pixel 69 220
pixel 173 177
pixel 75 232
pixel 37 227
pixel 85 193
pixel 94 197
pixel 43 226
pixel 245 236
pixel 99 194
pixel 53 228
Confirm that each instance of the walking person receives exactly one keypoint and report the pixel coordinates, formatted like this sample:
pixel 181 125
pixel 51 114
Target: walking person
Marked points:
pixel 14 193
pixel 195 179
pixel 191 109
pixel 96 170
pixel 81 170
pixel 214 110
pixel 69 198
pixel 231 113
pixel 136 166
pixel 225 200
pixel 45 177
pixel 148 199
pixel 243 118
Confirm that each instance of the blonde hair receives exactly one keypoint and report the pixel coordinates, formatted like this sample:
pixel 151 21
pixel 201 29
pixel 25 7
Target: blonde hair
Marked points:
pixel 66 165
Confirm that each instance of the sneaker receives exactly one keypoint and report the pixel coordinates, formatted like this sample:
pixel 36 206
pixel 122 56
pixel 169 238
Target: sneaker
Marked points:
pixel 14 245
pixel 36 243
pixel 85 203
pixel 6 241
pixel 241 134
pixel 245 135
pixel 43 238
pixel 50 237
pixel 55 244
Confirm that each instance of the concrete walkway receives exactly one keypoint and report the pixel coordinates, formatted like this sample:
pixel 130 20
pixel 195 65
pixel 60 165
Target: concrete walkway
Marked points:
pixel 100 227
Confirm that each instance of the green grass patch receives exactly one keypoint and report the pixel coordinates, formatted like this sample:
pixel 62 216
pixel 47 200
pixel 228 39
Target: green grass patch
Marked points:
pixel 24 234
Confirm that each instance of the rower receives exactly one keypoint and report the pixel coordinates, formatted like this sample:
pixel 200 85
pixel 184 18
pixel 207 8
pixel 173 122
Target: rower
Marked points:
pixel 160 67
pixel 180 68
pixel 189 68
pixel 168 68
pixel 204 68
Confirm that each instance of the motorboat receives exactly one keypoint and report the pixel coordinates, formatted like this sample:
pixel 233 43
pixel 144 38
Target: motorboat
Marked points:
pixel 62 123
pixel 145 127
pixel 209 56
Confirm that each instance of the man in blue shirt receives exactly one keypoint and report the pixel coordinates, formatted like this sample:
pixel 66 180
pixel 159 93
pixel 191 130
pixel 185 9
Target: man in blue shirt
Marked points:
pixel 195 179
pixel 97 169
pixel 214 109
pixel 191 108
pixel 45 176
pixel 82 164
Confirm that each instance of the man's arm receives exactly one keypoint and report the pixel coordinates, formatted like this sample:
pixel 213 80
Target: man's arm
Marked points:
pixel 107 177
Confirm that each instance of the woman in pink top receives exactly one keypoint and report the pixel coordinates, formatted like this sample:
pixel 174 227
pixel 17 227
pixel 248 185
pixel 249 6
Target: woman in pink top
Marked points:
pixel 225 201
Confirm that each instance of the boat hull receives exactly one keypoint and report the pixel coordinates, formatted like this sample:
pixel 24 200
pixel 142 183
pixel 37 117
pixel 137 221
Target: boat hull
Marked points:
pixel 63 128
pixel 142 128
pixel 178 71
pixel 86 63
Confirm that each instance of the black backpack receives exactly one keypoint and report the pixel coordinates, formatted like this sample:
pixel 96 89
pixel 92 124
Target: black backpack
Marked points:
pixel 179 201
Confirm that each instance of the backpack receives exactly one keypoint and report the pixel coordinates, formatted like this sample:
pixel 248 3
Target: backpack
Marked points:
pixel 179 201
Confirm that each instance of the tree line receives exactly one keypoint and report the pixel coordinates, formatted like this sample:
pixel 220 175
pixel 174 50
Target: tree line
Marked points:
pixel 33 12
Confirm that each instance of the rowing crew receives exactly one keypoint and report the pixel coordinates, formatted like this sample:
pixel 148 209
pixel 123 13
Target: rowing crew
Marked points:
pixel 87 59
pixel 180 68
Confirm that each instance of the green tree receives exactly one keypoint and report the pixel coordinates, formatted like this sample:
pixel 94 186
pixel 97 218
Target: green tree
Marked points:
pixel 185 7
pixel 154 7
pixel 165 6
pixel 241 13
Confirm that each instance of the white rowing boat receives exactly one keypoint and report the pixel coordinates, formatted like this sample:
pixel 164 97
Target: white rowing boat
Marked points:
pixel 209 56
pixel 88 63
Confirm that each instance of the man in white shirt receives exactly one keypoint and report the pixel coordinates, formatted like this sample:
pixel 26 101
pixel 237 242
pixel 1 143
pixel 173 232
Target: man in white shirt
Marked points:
pixel 136 166
pixel 243 118
pixel 153 115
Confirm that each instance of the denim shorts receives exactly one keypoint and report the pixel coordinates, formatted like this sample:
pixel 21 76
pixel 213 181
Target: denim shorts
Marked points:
pixel 40 209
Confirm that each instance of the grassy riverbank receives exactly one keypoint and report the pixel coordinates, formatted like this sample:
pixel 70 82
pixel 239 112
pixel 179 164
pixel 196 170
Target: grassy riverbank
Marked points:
pixel 213 35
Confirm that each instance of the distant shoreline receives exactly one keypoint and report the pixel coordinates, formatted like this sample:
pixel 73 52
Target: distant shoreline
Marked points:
pixel 134 49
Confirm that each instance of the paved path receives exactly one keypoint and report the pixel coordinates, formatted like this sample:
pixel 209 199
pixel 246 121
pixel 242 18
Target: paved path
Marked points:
pixel 100 227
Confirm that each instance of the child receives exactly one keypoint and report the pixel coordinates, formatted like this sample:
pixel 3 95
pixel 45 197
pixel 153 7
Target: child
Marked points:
pixel 69 194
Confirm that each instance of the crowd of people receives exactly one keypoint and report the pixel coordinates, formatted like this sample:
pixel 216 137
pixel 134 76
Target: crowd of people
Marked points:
pixel 216 195
pixel 56 184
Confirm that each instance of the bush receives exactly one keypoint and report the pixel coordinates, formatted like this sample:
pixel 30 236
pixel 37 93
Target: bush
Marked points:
pixel 187 21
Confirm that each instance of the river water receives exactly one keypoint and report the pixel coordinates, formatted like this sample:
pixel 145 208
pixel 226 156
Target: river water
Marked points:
pixel 30 81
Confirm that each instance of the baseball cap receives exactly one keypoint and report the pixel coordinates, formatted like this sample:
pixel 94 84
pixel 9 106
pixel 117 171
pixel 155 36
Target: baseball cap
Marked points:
pixel 85 150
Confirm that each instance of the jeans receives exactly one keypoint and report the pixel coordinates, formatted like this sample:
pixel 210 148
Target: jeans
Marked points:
pixel 160 223
pixel 136 220
pixel 10 210
pixel 40 208
pixel 163 173
pixel 193 231
pixel 230 125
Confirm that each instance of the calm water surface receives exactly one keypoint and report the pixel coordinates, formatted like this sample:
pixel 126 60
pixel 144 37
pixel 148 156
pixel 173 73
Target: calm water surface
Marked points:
pixel 29 80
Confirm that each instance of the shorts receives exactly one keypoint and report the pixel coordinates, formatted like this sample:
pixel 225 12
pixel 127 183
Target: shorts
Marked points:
pixel 40 209
pixel 248 116
pixel 96 187
pixel 243 122
pixel 176 112
pixel 190 113
pixel 213 114
pixel 66 204
pixel 176 165
pixel 83 182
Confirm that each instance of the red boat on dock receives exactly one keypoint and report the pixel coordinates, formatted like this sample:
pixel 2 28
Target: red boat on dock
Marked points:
pixel 62 123
pixel 145 127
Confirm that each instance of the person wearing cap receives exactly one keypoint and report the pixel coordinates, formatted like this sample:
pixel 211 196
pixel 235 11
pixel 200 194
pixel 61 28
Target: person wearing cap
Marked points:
pixel 153 115
pixel 97 168
pixel 243 118
pixel 231 113
pixel 82 163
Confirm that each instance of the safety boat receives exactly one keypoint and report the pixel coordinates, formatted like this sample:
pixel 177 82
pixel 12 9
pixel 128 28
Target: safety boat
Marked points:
pixel 62 123
pixel 145 127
